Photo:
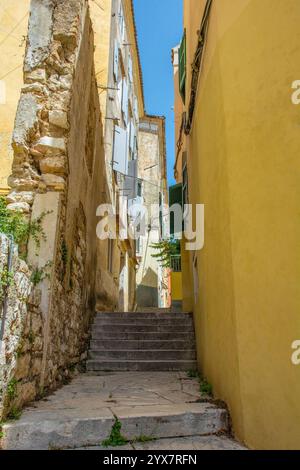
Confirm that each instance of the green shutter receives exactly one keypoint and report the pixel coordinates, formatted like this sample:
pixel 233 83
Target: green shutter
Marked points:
pixel 175 197
pixel 182 66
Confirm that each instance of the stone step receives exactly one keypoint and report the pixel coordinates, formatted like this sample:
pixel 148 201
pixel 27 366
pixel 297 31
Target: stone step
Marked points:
pixel 142 355
pixel 128 328
pixel 76 428
pixel 111 344
pixel 147 322
pixel 134 365
pixel 99 334
pixel 144 315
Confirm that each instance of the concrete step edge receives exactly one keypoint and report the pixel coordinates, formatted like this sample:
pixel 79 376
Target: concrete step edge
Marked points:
pixel 190 420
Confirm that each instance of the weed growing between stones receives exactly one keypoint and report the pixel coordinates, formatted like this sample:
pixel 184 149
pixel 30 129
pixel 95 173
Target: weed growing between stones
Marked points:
pixel 192 374
pixel 38 275
pixel 205 387
pixel 12 389
pixel 14 414
pixel 2 433
pixel 116 438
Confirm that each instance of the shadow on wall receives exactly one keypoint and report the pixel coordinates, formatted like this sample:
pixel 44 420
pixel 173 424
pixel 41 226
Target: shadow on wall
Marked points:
pixel 147 291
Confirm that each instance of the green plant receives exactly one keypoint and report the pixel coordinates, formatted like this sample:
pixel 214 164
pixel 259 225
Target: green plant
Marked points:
pixel 2 433
pixel 192 373
pixel 14 414
pixel 166 249
pixel 39 274
pixel 6 280
pixel 14 224
pixel 206 388
pixel 115 439
pixel 12 389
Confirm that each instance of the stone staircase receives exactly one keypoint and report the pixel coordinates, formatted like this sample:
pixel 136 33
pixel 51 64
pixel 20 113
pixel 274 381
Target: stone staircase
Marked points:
pixel 142 341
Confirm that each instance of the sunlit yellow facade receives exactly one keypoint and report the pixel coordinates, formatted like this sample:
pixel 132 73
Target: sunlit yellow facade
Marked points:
pixel 243 165
pixel 13 32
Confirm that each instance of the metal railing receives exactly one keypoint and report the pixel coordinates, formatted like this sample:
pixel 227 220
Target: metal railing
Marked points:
pixel 176 263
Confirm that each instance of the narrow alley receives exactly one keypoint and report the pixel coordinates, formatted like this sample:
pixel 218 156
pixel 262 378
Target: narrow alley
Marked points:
pixel 149 226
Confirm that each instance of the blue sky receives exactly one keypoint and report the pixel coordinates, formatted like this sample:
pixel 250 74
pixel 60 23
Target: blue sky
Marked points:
pixel 159 27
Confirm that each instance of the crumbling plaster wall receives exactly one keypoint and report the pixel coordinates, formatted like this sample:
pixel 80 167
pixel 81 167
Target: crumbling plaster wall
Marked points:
pixel 59 167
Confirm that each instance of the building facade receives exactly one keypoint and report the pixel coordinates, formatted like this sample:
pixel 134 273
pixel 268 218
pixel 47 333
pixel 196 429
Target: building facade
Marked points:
pixel 119 81
pixel 238 141
pixel 13 32
pixel 152 278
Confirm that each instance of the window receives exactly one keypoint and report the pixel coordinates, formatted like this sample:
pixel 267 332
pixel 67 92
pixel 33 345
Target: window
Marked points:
pixel 139 189
pixel 139 246
pixel 121 22
pixel 116 60
pixel 160 215
pixel 120 151
pixel 182 67
pixel 124 106
pixel 176 263
pixel 130 69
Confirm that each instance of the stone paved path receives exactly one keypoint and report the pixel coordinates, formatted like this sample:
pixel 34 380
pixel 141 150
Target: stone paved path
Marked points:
pixel 181 443
pixel 155 404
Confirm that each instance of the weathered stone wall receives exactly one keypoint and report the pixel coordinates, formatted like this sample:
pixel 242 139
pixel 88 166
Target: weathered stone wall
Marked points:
pixel 59 166
pixel 22 346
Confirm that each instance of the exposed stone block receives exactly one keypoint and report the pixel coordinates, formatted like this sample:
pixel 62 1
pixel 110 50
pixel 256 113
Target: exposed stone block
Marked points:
pixel 66 21
pixel 23 207
pixel 59 118
pixel 56 183
pixel 39 33
pixel 50 145
pixel 37 75
pixel 22 196
pixel 36 366
pixel 23 367
pixel 55 165
pixel 26 393
pixel 22 184
pixel 26 120
pixel 37 88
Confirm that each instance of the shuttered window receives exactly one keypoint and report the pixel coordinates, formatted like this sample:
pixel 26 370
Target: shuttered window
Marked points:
pixel 125 100
pixel 116 60
pixel 120 150
pixel 130 187
pixel 132 140
pixel 182 67
pixel 130 69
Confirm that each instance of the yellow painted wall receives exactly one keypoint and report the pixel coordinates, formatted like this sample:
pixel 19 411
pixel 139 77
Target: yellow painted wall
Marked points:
pixel 176 286
pixel 244 165
pixel 13 28
pixel 101 14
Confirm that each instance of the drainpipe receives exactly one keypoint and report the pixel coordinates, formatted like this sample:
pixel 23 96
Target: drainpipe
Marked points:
pixel 5 299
